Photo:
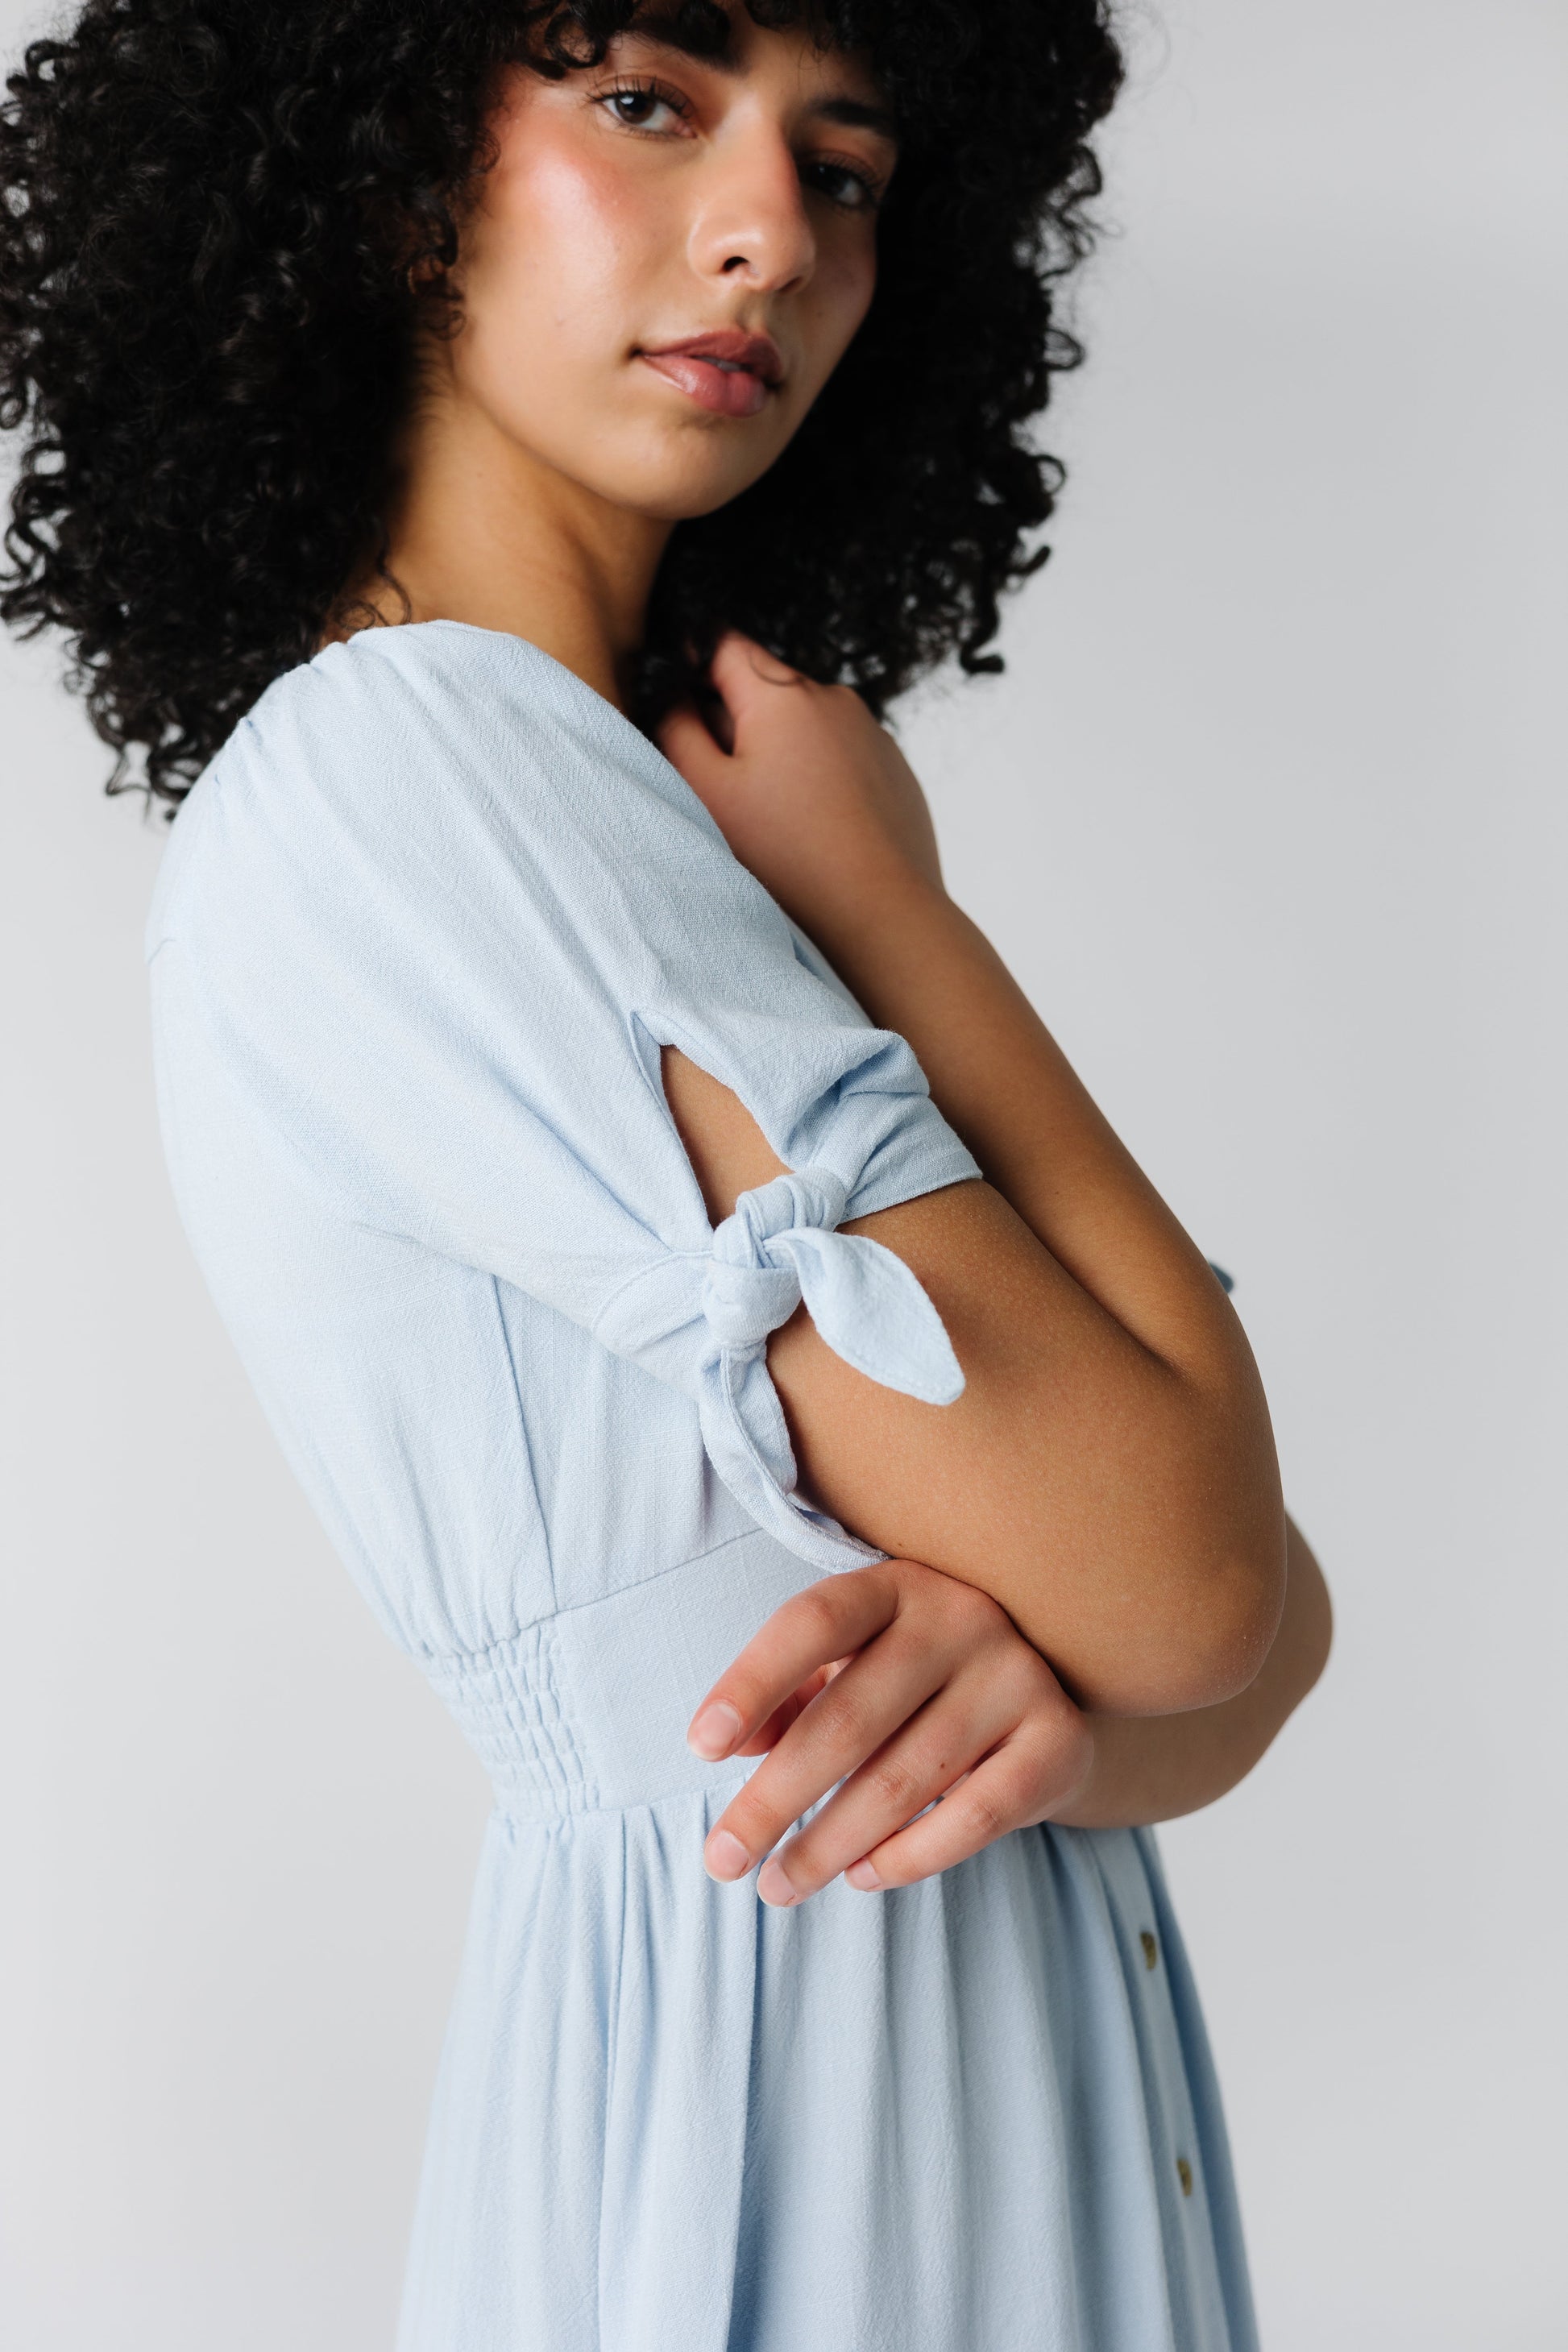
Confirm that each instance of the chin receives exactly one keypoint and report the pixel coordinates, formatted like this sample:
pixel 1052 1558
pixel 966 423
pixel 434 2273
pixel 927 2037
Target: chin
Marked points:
pixel 691 506
pixel 683 488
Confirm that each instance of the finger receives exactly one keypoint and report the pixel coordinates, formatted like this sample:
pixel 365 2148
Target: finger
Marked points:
pixel 827 1621
pixel 923 1755
pixel 1020 1784
pixel 740 661
pixel 769 1734
pixel 687 744
pixel 850 1720
pixel 779 1722
pixel 744 675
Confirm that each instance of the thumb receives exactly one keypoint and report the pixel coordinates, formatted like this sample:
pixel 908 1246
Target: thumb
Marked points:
pixel 744 672
pixel 688 746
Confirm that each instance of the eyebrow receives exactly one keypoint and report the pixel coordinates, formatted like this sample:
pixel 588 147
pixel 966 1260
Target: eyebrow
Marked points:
pixel 858 114
pixel 702 32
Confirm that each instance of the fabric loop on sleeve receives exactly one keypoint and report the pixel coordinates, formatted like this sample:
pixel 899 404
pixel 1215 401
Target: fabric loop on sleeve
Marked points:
pixel 753 1279
pixel 781 1246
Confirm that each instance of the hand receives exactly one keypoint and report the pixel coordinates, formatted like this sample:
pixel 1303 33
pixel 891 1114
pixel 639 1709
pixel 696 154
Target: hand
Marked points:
pixel 815 798
pixel 916 1686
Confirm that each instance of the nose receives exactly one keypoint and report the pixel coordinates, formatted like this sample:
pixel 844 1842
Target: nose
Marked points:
pixel 751 222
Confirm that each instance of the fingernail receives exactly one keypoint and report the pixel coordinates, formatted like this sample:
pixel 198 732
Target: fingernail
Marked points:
pixel 772 1884
pixel 863 1874
pixel 725 1856
pixel 715 1731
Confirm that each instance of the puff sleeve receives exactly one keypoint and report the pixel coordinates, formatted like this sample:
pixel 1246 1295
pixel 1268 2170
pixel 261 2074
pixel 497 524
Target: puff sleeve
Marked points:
pixel 439 906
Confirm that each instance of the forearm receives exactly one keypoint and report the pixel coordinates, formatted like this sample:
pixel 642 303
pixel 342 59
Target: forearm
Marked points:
pixel 1107 1476
pixel 1155 1767
pixel 1138 1505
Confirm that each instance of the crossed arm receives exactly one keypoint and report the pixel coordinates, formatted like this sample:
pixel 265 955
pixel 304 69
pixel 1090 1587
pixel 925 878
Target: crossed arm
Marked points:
pixel 1110 1619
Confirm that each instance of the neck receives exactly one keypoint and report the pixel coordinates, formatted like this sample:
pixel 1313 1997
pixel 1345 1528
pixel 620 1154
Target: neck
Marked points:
pixel 483 531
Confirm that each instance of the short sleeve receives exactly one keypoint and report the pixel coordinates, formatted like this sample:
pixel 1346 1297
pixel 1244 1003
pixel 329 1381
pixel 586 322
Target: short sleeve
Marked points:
pixel 437 907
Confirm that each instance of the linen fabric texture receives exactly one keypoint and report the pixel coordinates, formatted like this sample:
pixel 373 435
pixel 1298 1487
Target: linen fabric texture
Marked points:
pixel 421 932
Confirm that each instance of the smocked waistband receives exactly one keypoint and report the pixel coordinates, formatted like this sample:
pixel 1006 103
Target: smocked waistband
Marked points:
pixel 587 1711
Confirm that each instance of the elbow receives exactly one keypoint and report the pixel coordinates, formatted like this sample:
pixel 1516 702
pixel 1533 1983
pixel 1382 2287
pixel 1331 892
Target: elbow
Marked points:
pixel 1219 1599
pixel 1236 1616
pixel 1324 1643
pixel 1311 1612
pixel 1204 1639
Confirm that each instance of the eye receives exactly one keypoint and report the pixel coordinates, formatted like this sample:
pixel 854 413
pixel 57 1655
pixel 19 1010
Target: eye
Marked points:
pixel 849 187
pixel 644 106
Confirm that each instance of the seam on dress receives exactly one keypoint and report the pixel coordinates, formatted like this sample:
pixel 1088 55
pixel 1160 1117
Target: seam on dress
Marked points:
pixel 504 1808
pixel 641 1274
pixel 522 1434
pixel 439 1658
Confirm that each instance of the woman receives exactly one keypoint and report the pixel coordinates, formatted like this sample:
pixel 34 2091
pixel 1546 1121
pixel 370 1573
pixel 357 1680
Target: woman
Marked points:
pixel 418 398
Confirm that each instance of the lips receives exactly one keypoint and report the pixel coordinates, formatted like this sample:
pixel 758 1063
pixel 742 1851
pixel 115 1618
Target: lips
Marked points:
pixel 726 371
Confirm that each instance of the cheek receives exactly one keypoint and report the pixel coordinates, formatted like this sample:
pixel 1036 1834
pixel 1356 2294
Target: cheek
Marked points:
pixel 558 253
pixel 841 295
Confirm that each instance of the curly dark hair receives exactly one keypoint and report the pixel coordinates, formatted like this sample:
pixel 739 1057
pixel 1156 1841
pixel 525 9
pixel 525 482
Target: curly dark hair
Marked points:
pixel 219 220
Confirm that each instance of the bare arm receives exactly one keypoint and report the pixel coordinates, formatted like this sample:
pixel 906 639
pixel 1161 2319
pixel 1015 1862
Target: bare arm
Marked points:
pixel 940 1696
pixel 1156 1768
pixel 1109 1474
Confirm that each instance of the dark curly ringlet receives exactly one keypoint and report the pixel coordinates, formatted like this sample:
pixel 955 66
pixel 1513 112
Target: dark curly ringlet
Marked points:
pixel 220 219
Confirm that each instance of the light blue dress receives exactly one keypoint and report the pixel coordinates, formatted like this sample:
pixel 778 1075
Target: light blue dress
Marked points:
pixel 420 933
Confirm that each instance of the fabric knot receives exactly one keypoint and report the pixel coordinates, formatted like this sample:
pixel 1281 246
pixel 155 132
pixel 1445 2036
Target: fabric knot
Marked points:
pixel 801 1196
pixel 752 1282
pixel 782 1245
pixel 744 1303
pixel 702 1320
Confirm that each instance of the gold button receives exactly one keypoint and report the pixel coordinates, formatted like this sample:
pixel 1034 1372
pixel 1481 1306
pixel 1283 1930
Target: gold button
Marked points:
pixel 1150 1949
pixel 1184 2174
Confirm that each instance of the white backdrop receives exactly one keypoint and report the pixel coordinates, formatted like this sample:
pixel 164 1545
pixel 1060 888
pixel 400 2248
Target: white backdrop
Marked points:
pixel 1267 815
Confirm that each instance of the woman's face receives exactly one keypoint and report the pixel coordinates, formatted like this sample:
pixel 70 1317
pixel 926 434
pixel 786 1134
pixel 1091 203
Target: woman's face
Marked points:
pixel 669 259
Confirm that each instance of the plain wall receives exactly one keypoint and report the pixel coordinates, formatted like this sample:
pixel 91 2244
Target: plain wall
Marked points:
pixel 1267 815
